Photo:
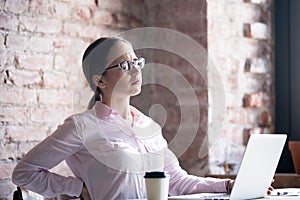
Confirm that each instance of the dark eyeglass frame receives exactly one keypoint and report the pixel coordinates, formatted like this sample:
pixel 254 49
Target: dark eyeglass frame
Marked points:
pixel 130 64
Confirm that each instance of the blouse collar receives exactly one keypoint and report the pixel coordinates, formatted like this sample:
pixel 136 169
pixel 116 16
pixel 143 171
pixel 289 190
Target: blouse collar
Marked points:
pixel 103 111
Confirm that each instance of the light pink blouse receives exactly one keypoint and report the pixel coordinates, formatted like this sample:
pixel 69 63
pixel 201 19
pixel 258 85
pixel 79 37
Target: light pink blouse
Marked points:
pixel 109 155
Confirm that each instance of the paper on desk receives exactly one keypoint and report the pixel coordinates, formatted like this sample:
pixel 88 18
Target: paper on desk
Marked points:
pixel 286 192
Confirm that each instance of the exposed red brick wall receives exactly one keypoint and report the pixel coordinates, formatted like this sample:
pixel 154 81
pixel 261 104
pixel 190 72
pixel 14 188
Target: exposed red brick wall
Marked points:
pixel 41 44
pixel 240 43
pixel 41 47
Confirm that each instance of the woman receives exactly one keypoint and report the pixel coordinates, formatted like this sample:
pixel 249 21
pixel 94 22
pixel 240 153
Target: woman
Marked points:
pixel 111 145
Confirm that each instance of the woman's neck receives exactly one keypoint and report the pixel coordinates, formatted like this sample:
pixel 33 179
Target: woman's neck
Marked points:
pixel 121 105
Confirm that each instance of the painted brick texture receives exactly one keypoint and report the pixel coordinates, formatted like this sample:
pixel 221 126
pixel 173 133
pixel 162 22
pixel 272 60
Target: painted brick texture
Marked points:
pixel 42 42
pixel 240 43
pixel 41 45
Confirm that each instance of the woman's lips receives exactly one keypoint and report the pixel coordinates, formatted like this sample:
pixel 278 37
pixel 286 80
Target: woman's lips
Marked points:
pixel 135 82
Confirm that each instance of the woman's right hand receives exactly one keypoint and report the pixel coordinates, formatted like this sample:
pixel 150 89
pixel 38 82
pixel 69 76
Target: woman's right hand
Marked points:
pixel 85 194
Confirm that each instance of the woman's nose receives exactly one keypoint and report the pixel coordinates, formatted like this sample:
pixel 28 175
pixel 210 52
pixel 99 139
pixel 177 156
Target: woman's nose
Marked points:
pixel 136 69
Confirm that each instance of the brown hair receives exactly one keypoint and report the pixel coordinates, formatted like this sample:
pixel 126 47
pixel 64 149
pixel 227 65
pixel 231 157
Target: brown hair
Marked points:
pixel 94 62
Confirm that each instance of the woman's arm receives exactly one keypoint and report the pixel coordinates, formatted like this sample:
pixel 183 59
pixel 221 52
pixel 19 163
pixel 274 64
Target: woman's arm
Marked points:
pixel 182 183
pixel 32 172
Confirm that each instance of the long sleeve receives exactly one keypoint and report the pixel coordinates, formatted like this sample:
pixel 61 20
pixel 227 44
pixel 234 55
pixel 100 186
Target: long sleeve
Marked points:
pixel 182 183
pixel 32 172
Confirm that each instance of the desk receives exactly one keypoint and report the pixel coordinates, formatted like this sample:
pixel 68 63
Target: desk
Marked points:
pixel 281 180
pixel 268 197
pixel 290 194
pixel 259 199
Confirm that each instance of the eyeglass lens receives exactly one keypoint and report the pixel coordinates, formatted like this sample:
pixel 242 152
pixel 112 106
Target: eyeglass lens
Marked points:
pixel 128 65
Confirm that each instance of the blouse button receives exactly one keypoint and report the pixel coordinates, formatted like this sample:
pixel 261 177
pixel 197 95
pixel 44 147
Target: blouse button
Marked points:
pixel 116 146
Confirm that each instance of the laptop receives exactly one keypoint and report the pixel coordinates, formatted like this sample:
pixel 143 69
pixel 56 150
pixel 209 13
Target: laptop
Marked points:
pixel 256 171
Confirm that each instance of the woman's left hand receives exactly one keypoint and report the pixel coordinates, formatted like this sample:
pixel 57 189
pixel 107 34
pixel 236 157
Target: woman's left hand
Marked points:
pixel 270 189
pixel 230 184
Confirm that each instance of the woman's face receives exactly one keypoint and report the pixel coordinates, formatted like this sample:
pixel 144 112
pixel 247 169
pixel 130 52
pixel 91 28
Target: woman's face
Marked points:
pixel 121 84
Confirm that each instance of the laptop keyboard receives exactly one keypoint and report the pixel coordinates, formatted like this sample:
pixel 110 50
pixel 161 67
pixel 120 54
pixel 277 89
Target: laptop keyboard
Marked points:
pixel 207 196
pixel 213 197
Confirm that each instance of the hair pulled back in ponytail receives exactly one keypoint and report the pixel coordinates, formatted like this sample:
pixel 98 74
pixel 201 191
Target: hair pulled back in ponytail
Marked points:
pixel 94 62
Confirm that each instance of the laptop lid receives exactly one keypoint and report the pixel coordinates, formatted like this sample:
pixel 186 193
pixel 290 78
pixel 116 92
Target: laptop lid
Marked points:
pixel 256 171
pixel 258 166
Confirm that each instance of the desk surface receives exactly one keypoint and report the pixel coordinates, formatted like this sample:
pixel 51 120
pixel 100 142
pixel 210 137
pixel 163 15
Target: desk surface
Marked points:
pixel 273 197
pixel 284 193
pixel 291 197
pixel 281 180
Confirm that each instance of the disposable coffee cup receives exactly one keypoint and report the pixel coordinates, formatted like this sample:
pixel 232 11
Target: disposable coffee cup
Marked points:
pixel 157 185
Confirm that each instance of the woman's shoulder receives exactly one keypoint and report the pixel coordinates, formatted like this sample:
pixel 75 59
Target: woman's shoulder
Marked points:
pixel 83 118
pixel 90 113
pixel 87 124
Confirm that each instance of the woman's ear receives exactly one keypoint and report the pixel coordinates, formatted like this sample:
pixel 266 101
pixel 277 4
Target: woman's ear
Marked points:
pixel 97 80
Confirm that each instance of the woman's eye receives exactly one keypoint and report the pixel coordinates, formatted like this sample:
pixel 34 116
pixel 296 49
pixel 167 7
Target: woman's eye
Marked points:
pixel 125 66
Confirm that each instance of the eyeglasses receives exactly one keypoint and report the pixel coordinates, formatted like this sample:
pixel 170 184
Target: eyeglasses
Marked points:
pixel 127 65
